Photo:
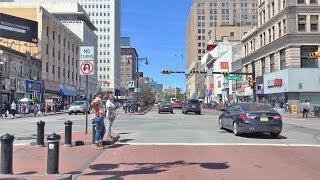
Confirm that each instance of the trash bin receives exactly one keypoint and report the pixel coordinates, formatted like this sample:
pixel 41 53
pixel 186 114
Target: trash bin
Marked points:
pixel 317 111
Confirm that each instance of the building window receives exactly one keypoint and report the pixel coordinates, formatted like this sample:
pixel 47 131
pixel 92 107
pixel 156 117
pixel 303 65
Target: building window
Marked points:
pixel 314 22
pixel 47 48
pixel 53 52
pixel 64 42
pixel 273 33
pixel 47 67
pixel 284 26
pixel 53 35
pixel 313 1
pixel 283 59
pixel 58 71
pixel 59 55
pixel 280 29
pixel 53 69
pixel 231 34
pixel 301 1
pixel 59 39
pixel 302 22
pixel 269 32
pixel 47 31
pixel 272 69
pixel 305 61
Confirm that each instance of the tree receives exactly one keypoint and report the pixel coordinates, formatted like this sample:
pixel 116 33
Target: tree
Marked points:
pixel 146 96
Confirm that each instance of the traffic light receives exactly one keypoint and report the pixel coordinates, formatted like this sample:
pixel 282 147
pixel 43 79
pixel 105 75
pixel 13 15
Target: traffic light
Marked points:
pixel 166 72
pixel 250 81
pixel 314 54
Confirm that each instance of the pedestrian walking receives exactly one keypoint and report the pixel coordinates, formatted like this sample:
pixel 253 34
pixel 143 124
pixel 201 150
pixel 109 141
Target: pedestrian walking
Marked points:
pixel 6 109
pixel 111 113
pixel 305 109
pixel 24 108
pixel 13 109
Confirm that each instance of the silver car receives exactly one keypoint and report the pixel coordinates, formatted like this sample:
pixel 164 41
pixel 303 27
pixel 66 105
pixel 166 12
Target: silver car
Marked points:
pixel 78 107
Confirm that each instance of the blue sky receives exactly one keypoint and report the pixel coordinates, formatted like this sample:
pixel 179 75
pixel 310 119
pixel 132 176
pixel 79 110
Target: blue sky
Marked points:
pixel 157 31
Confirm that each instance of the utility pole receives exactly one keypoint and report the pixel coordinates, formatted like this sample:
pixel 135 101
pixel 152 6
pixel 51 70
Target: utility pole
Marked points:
pixel 137 77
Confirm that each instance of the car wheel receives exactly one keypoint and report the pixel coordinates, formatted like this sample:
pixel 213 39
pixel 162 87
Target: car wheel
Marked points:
pixel 76 113
pixel 70 113
pixel 235 129
pixel 220 123
pixel 171 112
pixel 159 112
pixel 199 113
pixel 274 134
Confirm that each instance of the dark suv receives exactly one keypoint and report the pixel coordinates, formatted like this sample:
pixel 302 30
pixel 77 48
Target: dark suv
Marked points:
pixel 191 105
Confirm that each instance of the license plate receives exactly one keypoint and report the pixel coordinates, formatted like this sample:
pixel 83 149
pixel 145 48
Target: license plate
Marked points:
pixel 264 119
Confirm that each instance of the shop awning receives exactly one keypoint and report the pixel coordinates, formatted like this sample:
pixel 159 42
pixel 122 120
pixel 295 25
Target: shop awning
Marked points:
pixel 67 91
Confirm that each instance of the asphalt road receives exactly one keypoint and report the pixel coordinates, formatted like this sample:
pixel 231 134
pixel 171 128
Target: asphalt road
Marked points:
pixel 177 128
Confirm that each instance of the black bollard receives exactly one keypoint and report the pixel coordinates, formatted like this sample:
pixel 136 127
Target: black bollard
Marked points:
pixel 93 132
pixel 68 133
pixel 40 133
pixel 6 153
pixel 53 154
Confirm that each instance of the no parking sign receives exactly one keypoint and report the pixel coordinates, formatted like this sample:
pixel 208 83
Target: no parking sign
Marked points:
pixel 86 67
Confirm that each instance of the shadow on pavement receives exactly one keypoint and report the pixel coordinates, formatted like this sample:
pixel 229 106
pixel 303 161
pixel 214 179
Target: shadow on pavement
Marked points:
pixel 28 173
pixel 126 133
pixel 146 168
pixel 116 146
pixel 125 140
pixel 262 136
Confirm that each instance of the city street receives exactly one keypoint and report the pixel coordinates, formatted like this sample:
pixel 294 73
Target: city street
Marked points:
pixel 154 128
pixel 172 146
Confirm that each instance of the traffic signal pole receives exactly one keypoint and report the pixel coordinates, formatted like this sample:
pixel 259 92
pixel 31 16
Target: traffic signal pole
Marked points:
pixel 254 91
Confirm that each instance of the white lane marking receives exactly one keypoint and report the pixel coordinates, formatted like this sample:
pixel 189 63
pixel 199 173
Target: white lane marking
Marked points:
pixel 223 144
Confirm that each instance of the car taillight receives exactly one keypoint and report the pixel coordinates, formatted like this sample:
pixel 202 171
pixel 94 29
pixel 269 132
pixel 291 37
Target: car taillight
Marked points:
pixel 279 118
pixel 245 117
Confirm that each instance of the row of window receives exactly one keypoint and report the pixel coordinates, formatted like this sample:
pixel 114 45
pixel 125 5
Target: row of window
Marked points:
pixel 313 23
pixel 310 2
pixel 271 10
pixel 98 14
pixel 60 55
pixel 97 6
pixel 226 4
pixel 63 72
pixel 266 37
pixel 64 43
pixel 104 61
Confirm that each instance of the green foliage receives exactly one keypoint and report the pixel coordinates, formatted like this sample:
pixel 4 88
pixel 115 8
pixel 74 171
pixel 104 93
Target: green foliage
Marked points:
pixel 146 96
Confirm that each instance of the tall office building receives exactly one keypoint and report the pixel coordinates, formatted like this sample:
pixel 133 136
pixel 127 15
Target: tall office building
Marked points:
pixel 106 17
pixel 231 18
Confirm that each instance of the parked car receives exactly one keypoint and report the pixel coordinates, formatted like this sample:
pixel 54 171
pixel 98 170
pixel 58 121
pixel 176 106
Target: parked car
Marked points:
pixel 78 107
pixel 251 118
pixel 177 105
pixel 165 107
pixel 192 105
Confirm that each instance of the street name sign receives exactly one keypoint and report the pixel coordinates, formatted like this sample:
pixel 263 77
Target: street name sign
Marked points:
pixel 87 53
pixel 234 77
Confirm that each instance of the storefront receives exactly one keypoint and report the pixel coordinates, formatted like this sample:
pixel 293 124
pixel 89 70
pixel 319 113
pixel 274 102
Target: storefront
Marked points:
pixel 34 90
pixel 293 86
pixel 51 95
pixel 67 93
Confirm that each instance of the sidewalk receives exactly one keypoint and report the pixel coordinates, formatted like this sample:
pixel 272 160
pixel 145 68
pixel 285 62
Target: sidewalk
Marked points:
pixel 286 116
pixel 32 115
pixel 139 162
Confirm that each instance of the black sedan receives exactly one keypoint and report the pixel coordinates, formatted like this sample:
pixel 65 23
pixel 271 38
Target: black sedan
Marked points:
pixel 192 105
pixel 251 118
pixel 165 107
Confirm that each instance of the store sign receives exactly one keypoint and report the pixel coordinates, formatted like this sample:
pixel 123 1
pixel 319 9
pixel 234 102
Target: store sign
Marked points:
pixel 278 82
pixel 13 27
pixel 33 86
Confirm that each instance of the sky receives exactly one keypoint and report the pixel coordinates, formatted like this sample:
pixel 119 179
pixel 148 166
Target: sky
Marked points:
pixel 157 31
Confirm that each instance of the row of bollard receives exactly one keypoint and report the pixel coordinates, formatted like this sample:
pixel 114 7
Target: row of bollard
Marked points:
pixel 53 147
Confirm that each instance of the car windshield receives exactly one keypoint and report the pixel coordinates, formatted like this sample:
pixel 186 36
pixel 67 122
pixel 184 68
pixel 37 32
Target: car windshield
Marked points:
pixel 78 103
pixel 256 107
pixel 193 101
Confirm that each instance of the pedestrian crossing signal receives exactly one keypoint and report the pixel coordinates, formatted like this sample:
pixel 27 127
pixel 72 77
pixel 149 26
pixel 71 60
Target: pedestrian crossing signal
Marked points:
pixel 166 72
pixel 314 54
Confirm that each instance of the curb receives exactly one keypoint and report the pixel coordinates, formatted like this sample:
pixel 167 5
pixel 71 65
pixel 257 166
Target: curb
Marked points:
pixel 80 143
pixel 29 116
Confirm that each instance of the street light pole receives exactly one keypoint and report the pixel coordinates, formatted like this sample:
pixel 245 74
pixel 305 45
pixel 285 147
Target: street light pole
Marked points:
pixel 137 76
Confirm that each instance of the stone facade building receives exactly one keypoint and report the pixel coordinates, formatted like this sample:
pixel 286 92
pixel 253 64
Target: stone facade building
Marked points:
pixel 278 47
